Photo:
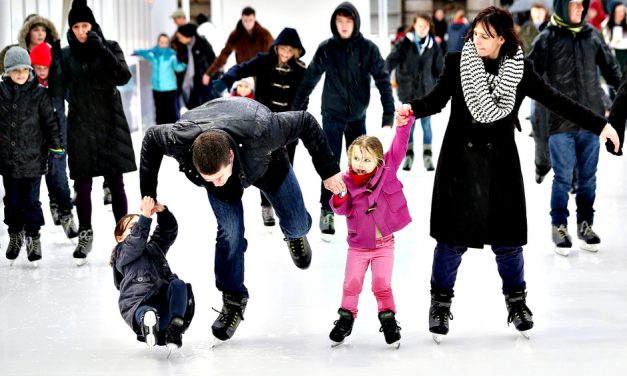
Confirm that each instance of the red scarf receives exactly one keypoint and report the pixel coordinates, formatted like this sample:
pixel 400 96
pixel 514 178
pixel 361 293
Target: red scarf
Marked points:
pixel 361 179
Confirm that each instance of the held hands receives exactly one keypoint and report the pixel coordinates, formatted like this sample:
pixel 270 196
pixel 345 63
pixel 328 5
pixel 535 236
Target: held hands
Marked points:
pixel 149 206
pixel 335 183
pixel 402 114
pixel 609 133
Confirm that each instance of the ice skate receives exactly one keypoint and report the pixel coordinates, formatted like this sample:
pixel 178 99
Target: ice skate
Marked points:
pixel 69 227
pixel 106 195
pixel 390 328
pixel 427 158
pixel 33 248
pixel 327 225
pixel 588 239
pixel 16 239
pixel 149 327
pixel 85 243
pixel 174 335
pixel 267 213
pixel 54 212
pixel 562 240
pixel 229 317
pixel 343 327
pixel 300 251
pixel 519 313
pixel 439 316
pixel 409 157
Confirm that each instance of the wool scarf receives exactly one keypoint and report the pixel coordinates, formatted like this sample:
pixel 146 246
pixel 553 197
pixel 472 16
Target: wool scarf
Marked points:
pixel 488 97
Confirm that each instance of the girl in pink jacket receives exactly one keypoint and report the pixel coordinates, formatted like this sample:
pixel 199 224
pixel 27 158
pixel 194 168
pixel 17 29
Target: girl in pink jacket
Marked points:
pixel 375 207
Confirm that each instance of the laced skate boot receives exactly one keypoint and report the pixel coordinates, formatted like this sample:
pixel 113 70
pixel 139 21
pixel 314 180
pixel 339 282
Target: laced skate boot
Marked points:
pixel 16 239
pixel 54 211
pixel 439 315
pixel 327 224
pixel 85 242
pixel 33 247
pixel 69 227
pixel 150 326
pixel 300 252
pixel 230 316
pixel 590 241
pixel 427 158
pixel 519 313
pixel 174 333
pixel 106 195
pixel 390 328
pixel 343 327
pixel 409 157
pixel 267 213
pixel 561 238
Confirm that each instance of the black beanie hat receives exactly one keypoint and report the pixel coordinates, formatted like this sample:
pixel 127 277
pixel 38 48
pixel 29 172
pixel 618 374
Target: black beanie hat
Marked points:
pixel 80 12
pixel 188 30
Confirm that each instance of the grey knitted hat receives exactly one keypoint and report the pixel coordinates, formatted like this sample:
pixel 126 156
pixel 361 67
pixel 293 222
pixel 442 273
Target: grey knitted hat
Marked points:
pixel 16 58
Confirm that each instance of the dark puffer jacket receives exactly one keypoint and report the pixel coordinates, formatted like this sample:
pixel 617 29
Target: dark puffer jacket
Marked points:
pixel 348 65
pixel 254 133
pixel 416 73
pixel 28 128
pixel 99 140
pixel 142 264
pixel 276 85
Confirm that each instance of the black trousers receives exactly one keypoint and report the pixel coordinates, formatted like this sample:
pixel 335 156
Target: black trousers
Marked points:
pixel 165 106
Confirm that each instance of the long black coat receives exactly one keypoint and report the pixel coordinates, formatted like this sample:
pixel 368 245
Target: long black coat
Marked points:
pixel 254 132
pixel 99 140
pixel 478 193
pixel 28 128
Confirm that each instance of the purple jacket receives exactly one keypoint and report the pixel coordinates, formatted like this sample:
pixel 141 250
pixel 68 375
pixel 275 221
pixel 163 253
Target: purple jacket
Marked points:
pixel 383 204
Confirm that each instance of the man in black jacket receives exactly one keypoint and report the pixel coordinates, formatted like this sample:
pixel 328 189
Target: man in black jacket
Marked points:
pixel 567 53
pixel 197 52
pixel 348 60
pixel 226 146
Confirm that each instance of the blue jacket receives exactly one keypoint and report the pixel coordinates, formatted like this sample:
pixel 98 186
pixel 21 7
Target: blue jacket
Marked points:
pixel 164 67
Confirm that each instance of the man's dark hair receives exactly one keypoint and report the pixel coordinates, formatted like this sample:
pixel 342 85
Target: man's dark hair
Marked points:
pixel 345 13
pixel 210 152
pixel 248 11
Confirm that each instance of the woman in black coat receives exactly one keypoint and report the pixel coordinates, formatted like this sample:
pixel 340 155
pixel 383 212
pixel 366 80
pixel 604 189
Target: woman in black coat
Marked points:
pixel 478 193
pixel 99 140
pixel 279 72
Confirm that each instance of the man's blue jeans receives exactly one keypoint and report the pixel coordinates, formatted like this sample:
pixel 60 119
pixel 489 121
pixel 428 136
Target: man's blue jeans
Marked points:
pixel 335 129
pixel 447 258
pixel 231 244
pixel 573 150
pixel 425 122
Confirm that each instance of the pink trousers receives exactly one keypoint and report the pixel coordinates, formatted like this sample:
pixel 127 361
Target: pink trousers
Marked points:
pixel 381 259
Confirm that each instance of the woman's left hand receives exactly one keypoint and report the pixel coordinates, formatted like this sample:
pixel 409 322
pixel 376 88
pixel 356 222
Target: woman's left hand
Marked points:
pixel 609 133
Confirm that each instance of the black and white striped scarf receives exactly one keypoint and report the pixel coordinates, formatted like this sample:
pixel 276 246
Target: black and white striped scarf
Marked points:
pixel 488 97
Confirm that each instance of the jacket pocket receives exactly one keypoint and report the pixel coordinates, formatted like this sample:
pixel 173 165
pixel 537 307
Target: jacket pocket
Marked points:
pixel 393 195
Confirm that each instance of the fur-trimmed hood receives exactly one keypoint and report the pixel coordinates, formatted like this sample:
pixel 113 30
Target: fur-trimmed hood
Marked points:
pixel 51 31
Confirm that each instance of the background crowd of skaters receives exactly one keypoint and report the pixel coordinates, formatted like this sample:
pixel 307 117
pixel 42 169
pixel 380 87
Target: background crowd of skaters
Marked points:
pixel 186 72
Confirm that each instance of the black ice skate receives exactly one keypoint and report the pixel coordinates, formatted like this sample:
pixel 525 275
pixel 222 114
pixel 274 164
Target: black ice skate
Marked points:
pixel 561 239
pixel 589 240
pixel 519 313
pixel 174 335
pixel 390 328
pixel 150 326
pixel 267 213
pixel 54 211
pixel 33 247
pixel 106 195
pixel 327 224
pixel 300 252
pixel 343 327
pixel 16 239
pixel 427 158
pixel 69 227
pixel 439 315
pixel 230 316
pixel 85 243
pixel 409 158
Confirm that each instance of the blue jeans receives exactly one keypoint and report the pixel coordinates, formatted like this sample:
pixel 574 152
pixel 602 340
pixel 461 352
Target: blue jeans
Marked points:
pixel 569 151
pixel 447 258
pixel 335 129
pixel 427 136
pixel 22 208
pixel 294 220
pixel 57 182
pixel 169 303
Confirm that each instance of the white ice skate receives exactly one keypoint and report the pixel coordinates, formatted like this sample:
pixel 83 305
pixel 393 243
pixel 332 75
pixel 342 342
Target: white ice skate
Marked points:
pixel 149 322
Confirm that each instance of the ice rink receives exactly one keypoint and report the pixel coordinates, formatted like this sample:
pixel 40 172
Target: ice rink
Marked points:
pixel 60 319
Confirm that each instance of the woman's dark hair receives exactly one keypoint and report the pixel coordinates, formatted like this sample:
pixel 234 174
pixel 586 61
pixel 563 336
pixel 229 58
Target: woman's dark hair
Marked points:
pixel 411 29
pixel 211 152
pixel 503 23
pixel 610 21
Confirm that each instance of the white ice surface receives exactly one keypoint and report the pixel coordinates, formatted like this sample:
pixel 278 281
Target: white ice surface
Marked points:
pixel 60 319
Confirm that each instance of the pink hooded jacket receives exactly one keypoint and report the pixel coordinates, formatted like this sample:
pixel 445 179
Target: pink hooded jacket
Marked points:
pixel 381 202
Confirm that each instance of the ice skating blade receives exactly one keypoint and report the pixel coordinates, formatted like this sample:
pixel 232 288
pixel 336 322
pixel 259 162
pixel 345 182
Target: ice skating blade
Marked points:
pixel 269 229
pixel 80 261
pixel 336 344
pixel 525 333
pixel 11 262
pixel 562 251
pixel 437 338
pixel 216 342
pixel 588 247
pixel 172 349
pixel 35 264
pixel 395 345
pixel 327 237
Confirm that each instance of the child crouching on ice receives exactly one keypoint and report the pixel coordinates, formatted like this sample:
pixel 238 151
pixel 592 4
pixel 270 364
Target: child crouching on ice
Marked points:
pixel 375 208
pixel 154 302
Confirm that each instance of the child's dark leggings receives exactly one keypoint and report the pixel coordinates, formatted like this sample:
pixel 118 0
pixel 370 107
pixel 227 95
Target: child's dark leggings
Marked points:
pixel 83 199
pixel 171 301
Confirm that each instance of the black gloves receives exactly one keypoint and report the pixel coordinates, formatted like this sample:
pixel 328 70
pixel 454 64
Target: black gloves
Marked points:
pixel 95 41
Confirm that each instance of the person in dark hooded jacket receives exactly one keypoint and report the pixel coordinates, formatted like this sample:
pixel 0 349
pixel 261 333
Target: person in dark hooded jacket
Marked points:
pixel 279 72
pixel 35 30
pixel 98 139
pixel 567 53
pixel 348 61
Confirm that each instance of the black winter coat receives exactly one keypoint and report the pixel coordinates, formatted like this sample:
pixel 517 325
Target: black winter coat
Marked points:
pixel 348 65
pixel 416 73
pixel 99 140
pixel 618 115
pixel 569 63
pixel 143 264
pixel 478 193
pixel 203 55
pixel 28 128
pixel 254 133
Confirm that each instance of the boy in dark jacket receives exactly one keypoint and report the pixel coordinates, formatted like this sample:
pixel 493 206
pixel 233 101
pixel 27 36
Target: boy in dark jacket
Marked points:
pixel 28 128
pixel 153 300
pixel 348 60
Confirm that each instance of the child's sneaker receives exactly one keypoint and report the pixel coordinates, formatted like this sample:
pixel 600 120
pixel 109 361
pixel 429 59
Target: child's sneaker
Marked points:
pixel 149 326
pixel 561 238
pixel 343 327
pixel 16 239
pixel 590 241
pixel 390 328
pixel 33 247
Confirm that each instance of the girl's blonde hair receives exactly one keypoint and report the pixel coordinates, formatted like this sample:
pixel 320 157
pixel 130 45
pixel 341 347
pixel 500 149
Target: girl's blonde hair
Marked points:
pixel 120 227
pixel 370 144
